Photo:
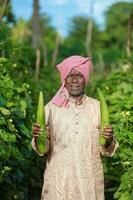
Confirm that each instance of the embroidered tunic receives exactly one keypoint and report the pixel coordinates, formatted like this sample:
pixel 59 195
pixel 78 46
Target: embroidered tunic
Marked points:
pixel 74 169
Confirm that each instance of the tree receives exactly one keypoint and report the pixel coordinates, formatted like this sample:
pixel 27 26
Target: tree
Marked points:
pixel 21 32
pixel 36 25
pixel 129 45
pixel 89 30
pixel 75 42
pixel 117 28
pixel 36 36
pixel 6 11
pixel 56 50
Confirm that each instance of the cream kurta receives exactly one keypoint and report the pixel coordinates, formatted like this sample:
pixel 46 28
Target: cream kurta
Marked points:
pixel 74 169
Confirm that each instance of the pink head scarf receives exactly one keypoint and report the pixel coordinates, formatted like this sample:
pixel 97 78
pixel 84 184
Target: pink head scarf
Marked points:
pixel 81 64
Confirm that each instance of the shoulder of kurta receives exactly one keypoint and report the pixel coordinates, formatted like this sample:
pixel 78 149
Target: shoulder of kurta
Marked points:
pixel 49 109
pixel 46 108
pixel 95 104
pixel 50 105
pixel 93 101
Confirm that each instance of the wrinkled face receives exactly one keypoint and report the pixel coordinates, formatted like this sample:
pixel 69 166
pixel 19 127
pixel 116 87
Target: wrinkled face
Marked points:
pixel 75 83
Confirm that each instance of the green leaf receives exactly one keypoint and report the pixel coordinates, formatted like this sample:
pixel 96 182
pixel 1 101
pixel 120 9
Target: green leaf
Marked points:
pixel 4 172
pixel 2 120
pixel 3 59
pixel 126 196
pixel 24 130
pixel 4 150
pixel 5 111
pixel 7 137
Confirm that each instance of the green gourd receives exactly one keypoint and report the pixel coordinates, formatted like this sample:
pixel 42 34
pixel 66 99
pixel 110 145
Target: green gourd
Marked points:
pixel 104 115
pixel 41 139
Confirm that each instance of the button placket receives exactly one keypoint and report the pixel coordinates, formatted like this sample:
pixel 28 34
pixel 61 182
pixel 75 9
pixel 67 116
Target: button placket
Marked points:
pixel 76 121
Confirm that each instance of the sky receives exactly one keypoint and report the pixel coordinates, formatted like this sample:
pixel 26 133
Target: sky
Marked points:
pixel 61 11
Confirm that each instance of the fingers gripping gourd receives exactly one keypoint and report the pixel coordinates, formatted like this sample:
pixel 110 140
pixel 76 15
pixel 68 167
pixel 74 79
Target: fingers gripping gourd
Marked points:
pixel 104 115
pixel 41 139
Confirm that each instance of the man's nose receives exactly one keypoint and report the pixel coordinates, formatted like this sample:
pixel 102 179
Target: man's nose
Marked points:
pixel 74 79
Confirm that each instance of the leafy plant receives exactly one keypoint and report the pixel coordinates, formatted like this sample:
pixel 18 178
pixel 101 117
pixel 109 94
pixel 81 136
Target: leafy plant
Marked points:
pixel 117 88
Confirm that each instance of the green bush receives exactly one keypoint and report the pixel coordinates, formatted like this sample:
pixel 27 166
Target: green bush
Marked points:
pixel 18 164
pixel 117 88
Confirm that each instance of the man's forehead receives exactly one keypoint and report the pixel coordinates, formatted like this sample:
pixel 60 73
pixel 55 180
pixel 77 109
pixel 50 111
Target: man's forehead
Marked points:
pixel 74 71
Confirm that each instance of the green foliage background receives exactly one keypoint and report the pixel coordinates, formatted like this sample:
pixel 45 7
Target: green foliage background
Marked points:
pixel 117 88
pixel 21 170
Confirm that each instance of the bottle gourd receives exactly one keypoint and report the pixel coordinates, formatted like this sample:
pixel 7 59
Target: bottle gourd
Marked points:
pixel 104 115
pixel 41 139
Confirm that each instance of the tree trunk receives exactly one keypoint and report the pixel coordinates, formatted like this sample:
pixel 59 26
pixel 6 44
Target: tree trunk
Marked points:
pixel 88 37
pixel 36 27
pixel 129 35
pixel 38 58
pixel 56 50
pixel 89 30
pixel 45 60
pixel 36 36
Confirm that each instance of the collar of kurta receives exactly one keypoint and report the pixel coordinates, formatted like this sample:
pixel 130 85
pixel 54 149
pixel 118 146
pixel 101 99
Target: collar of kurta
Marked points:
pixel 77 102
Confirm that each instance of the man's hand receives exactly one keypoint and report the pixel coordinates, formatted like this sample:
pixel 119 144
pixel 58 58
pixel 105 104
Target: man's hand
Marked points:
pixel 36 130
pixel 107 133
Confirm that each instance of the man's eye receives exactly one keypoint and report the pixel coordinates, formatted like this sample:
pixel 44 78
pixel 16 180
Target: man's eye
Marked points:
pixel 70 76
pixel 80 76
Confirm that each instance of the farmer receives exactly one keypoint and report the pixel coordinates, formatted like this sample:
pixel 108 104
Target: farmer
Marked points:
pixel 74 169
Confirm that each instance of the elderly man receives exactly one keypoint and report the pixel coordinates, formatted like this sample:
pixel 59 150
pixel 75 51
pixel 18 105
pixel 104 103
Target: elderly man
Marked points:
pixel 74 169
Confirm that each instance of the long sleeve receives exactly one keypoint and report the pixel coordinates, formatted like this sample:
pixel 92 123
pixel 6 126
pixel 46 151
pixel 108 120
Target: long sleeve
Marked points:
pixel 33 142
pixel 110 150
